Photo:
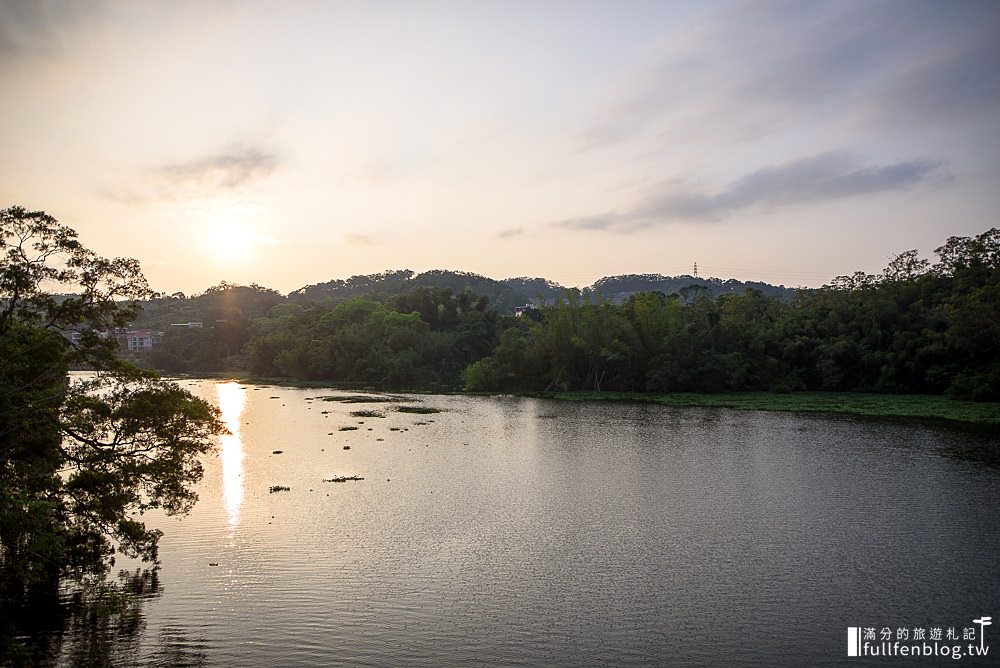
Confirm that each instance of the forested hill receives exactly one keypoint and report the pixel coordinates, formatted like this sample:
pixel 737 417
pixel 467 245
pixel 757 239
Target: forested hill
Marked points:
pixel 916 327
pixel 619 288
pixel 223 303
pixel 504 295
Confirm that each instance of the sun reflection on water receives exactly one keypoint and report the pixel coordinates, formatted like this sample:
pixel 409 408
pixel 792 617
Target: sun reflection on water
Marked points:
pixel 232 398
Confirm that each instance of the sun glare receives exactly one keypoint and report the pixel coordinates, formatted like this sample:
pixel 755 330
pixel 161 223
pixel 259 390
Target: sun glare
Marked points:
pixel 232 397
pixel 228 242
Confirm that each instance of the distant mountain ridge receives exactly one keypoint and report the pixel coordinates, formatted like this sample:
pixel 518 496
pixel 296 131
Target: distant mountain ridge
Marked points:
pixel 509 293
pixel 618 288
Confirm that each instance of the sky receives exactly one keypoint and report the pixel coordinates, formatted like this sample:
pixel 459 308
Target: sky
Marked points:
pixel 288 143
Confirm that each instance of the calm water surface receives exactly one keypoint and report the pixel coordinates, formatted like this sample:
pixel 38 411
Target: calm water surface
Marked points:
pixel 524 532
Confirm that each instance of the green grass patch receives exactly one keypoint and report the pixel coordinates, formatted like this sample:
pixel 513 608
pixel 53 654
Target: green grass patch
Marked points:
pixel 918 406
pixel 360 398
pixel 419 410
pixel 367 414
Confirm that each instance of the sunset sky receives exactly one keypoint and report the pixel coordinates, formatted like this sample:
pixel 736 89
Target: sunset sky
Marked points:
pixel 288 143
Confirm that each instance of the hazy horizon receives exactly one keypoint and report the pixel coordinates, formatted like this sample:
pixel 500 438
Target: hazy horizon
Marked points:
pixel 291 144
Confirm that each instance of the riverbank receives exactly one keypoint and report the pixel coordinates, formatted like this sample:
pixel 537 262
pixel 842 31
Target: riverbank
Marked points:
pixel 250 379
pixel 897 406
pixel 903 406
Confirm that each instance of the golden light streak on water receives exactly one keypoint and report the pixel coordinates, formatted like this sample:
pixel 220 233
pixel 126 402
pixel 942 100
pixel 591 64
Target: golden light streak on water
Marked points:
pixel 232 397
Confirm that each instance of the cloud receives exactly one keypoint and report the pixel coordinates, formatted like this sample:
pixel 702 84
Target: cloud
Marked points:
pixel 227 169
pixel 601 221
pixel 823 177
pixel 221 174
pixel 754 69
pixel 359 240
pixel 510 233
pixel 961 84
pixel 38 27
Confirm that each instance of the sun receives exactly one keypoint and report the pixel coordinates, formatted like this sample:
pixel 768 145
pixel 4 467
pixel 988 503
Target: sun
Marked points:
pixel 228 241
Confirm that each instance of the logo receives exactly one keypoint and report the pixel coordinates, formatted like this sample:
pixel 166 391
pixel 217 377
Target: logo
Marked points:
pixel 939 641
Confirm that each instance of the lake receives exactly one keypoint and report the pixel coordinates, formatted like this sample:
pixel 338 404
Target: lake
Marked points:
pixel 523 532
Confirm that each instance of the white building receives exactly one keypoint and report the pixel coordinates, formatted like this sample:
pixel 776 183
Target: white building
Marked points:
pixel 140 340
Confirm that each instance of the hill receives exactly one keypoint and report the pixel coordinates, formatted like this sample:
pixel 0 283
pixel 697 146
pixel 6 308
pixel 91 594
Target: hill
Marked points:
pixel 233 304
pixel 619 288
pixel 504 295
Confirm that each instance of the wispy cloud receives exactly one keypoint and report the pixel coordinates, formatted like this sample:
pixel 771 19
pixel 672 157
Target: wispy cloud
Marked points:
pixel 961 83
pixel 226 169
pixel 359 240
pixel 783 64
pixel 38 27
pixel 818 178
pixel 224 173
pixel 510 233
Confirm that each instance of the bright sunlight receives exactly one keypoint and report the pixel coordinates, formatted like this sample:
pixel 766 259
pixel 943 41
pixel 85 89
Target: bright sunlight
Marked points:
pixel 232 397
pixel 228 241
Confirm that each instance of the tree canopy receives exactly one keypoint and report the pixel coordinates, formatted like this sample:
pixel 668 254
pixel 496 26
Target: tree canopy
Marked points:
pixel 914 328
pixel 80 458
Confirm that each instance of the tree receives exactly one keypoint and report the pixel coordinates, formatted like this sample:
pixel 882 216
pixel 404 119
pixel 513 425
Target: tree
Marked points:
pixel 80 459
pixel 972 265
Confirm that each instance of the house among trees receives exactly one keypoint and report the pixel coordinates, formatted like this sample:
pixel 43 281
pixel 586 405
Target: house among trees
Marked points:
pixel 528 311
pixel 74 336
pixel 132 340
pixel 142 340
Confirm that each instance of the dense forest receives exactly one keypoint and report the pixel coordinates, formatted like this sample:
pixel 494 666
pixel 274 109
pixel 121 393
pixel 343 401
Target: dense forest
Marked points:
pixel 507 294
pixel 916 327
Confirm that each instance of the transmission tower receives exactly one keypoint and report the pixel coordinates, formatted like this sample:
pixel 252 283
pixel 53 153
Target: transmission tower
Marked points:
pixel 696 270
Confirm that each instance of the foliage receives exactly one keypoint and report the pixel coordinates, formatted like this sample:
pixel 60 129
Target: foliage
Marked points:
pixel 231 315
pixel 915 328
pixel 420 339
pixel 80 460
pixel 501 295
pixel 619 288
pixel 225 314
pixel 505 295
